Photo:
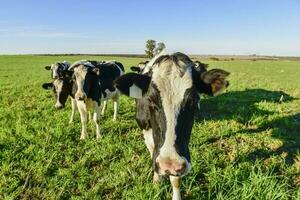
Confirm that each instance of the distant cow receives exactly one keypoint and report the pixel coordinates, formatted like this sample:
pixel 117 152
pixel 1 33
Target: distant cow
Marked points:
pixel 93 83
pixel 166 95
pixel 61 85
pixel 58 69
pixel 139 68
pixel 64 85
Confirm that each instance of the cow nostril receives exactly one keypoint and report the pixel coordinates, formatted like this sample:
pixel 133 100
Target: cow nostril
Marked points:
pixel 59 106
pixel 181 168
pixel 80 98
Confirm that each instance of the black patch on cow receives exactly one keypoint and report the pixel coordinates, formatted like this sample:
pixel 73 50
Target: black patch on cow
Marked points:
pixel 108 73
pixel 185 122
pixel 47 86
pixel 123 83
pixel 199 84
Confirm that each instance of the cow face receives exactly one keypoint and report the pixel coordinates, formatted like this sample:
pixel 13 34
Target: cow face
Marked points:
pixel 61 88
pixel 85 77
pixel 140 67
pixel 200 67
pixel 170 93
pixel 58 70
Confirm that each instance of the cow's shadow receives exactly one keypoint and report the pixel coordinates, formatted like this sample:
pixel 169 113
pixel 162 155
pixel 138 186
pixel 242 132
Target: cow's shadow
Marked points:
pixel 243 107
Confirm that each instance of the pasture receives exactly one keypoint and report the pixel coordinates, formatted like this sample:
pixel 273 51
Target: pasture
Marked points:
pixel 245 142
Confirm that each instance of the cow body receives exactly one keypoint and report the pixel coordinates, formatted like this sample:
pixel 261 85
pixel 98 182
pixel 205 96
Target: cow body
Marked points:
pixel 94 82
pixel 168 86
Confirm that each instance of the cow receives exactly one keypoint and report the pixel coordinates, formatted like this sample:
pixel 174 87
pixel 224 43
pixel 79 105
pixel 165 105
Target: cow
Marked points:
pixel 93 83
pixel 62 88
pixel 139 68
pixel 58 69
pixel 167 92
pixel 61 83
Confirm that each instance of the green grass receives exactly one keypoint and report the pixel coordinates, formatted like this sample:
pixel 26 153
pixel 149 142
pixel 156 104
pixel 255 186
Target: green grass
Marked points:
pixel 245 143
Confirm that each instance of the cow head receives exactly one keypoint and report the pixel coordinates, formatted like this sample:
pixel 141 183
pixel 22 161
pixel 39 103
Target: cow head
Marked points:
pixel 139 68
pixel 86 75
pixel 170 90
pixel 200 67
pixel 58 70
pixel 61 88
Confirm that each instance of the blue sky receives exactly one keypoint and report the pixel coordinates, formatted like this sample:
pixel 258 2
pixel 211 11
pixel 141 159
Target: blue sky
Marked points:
pixel 264 27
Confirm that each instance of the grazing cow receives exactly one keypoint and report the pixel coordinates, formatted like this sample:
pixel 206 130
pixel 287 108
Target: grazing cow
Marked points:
pixel 166 95
pixel 94 82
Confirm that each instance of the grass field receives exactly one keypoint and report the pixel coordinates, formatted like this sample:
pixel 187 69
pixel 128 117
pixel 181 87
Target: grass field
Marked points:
pixel 245 143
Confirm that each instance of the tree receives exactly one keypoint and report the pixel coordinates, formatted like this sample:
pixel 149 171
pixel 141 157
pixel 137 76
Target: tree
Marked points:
pixel 160 46
pixel 150 46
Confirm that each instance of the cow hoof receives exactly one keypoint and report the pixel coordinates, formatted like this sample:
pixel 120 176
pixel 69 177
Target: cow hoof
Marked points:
pixel 98 137
pixel 82 137
pixel 156 178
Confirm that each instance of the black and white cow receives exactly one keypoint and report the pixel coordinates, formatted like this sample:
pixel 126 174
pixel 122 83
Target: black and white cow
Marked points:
pixel 93 83
pixel 64 85
pixel 58 69
pixel 61 85
pixel 167 92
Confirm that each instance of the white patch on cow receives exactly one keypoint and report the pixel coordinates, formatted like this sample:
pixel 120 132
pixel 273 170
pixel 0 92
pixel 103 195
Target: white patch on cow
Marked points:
pixel 148 136
pixel 172 82
pixel 80 73
pixel 54 69
pixel 149 65
pixel 135 92
pixel 58 89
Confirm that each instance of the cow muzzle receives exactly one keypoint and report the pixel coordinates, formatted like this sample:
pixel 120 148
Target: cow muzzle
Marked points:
pixel 58 105
pixel 174 167
pixel 80 96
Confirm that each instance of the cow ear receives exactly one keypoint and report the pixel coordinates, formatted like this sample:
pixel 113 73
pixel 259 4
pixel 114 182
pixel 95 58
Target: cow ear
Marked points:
pixel 133 85
pixel 135 69
pixel 47 67
pixel 47 86
pixel 216 80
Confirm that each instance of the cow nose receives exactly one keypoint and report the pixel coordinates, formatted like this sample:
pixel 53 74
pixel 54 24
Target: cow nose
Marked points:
pixel 59 106
pixel 55 77
pixel 80 96
pixel 171 167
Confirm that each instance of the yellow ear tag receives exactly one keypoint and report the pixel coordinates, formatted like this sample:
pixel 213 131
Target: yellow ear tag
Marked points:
pixel 135 92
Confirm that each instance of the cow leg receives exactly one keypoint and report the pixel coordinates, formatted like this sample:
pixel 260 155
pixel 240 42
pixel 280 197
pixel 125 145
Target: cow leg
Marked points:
pixel 90 116
pixel 150 146
pixel 149 140
pixel 83 117
pixel 96 119
pixel 74 105
pixel 175 181
pixel 116 106
pixel 104 107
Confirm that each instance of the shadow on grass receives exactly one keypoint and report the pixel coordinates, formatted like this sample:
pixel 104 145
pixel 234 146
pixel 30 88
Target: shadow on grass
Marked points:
pixel 241 106
pixel 286 129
